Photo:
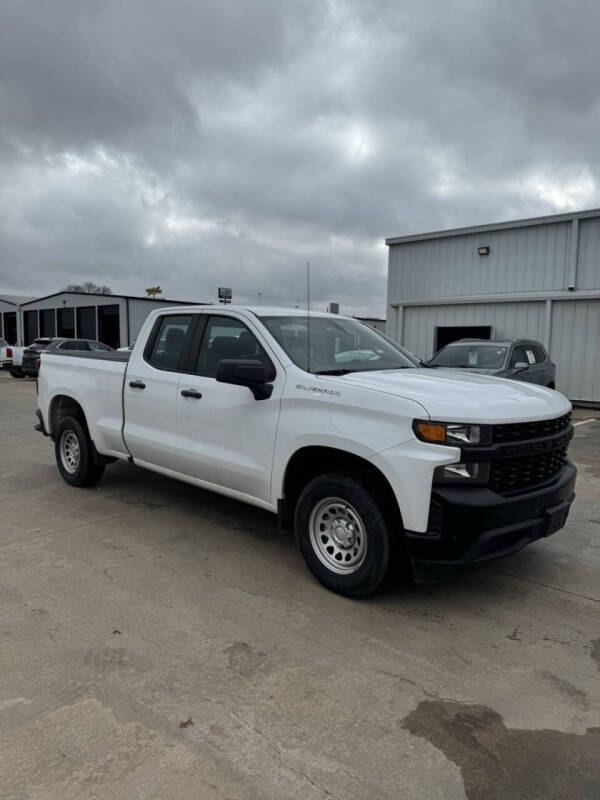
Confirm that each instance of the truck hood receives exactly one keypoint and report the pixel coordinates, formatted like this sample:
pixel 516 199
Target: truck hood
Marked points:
pixel 453 396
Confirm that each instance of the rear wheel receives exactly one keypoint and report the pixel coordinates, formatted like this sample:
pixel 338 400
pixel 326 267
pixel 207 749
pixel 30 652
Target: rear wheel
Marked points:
pixel 74 454
pixel 343 534
pixel 16 373
pixel 551 385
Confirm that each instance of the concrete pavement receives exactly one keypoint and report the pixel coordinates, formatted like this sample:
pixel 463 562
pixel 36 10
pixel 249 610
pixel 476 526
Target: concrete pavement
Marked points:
pixel 131 608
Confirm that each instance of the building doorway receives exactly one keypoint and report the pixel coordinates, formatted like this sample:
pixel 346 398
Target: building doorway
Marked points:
pixel 444 334
pixel 10 327
pixel 30 323
pixel 109 330
pixel 66 322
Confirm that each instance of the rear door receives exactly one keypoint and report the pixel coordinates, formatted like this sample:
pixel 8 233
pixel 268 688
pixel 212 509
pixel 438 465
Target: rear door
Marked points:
pixel 524 372
pixel 227 437
pixel 535 358
pixel 544 367
pixel 151 390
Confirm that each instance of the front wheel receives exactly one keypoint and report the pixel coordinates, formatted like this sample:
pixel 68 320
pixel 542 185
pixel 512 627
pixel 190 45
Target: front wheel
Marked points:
pixel 343 535
pixel 74 454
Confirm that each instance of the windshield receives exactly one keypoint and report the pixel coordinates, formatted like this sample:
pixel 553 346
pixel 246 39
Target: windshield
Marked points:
pixel 337 346
pixel 470 356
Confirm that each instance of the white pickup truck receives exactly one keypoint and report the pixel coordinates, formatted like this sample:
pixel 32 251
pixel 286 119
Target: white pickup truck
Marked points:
pixel 380 466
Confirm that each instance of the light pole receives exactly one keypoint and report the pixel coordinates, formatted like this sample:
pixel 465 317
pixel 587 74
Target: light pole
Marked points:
pixel 259 297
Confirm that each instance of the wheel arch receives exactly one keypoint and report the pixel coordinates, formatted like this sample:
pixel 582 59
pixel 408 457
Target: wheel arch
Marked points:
pixel 63 405
pixel 310 461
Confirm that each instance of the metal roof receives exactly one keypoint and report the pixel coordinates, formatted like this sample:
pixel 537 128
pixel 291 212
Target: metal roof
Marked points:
pixel 116 296
pixel 16 299
pixel 495 226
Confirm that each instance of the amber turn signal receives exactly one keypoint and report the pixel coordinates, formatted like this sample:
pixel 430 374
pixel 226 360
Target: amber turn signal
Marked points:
pixel 431 432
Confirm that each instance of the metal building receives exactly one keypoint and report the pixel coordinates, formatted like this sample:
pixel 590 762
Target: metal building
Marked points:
pixel 535 278
pixel 11 327
pixel 110 318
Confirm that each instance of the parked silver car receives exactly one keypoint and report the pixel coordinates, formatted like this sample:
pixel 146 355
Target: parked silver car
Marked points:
pixel 520 359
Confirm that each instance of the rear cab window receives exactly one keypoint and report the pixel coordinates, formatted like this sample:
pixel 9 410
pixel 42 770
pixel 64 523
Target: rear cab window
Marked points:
pixel 168 342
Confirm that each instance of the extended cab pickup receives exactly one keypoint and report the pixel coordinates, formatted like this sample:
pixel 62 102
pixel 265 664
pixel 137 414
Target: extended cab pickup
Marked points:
pixel 380 466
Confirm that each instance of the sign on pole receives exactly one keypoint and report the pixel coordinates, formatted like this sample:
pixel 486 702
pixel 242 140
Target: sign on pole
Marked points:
pixel 225 294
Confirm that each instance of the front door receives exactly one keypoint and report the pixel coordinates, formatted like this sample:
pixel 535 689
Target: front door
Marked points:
pixel 151 393
pixel 227 437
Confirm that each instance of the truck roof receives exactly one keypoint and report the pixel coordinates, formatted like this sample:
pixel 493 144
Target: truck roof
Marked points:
pixel 259 311
pixel 492 342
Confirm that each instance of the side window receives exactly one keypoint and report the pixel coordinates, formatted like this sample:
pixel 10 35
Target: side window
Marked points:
pixel 168 342
pixel 72 344
pixel 104 348
pixel 539 353
pixel 226 337
pixel 518 355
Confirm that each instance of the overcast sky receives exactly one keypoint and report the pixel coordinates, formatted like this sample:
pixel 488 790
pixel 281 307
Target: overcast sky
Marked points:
pixel 195 144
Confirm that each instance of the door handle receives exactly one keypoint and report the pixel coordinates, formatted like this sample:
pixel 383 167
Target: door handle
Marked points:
pixel 191 393
pixel 137 385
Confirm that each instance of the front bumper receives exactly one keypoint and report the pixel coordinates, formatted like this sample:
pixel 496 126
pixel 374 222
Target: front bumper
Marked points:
pixel 470 526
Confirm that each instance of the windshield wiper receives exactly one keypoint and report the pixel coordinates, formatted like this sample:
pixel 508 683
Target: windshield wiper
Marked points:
pixel 333 371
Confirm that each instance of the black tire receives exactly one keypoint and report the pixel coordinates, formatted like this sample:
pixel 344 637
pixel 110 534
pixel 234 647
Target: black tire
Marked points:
pixel 368 574
pixel 551 385
pixel 79 468
pixel 17 373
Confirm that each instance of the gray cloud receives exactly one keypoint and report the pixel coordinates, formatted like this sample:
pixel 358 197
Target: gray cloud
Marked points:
pixel 195 144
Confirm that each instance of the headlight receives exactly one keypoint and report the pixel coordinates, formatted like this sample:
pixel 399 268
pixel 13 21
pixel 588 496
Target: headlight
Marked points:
pixel 471 472
pixel 450 433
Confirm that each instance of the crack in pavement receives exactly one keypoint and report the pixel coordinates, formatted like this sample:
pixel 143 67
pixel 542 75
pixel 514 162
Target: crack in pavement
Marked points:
pixel 545 585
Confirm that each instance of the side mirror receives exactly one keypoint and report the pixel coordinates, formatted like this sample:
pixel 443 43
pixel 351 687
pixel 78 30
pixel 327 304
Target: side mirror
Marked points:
pixel 520 366
pixel 247 372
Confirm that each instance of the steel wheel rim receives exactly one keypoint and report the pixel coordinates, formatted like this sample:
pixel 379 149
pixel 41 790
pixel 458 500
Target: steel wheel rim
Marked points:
pixel 337 535
pixel 70 453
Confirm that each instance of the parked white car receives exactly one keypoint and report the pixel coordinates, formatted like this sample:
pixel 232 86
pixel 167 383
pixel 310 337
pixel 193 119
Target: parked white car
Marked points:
pixel 5 358
pixel 323 421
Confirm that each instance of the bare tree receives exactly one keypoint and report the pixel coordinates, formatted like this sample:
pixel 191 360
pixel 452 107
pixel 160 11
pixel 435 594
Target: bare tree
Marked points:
pixel 89 287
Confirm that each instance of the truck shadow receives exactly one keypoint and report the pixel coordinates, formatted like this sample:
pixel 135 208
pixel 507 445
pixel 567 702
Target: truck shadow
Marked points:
pixel 135 486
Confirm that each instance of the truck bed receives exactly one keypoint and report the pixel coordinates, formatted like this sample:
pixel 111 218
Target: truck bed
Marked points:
pixel 95 381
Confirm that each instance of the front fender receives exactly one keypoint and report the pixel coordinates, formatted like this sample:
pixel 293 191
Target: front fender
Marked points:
pixel 409 469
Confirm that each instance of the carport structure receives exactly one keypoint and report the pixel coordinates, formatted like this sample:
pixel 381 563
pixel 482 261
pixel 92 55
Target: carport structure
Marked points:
pixel 110 318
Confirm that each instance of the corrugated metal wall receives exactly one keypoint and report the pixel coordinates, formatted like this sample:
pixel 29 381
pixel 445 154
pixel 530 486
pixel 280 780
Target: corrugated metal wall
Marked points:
pixel 510 320
pixel 138 311
pixel 521 260
pixel 588 262
pixel 575 347
pixel 553 261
